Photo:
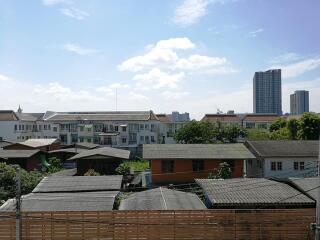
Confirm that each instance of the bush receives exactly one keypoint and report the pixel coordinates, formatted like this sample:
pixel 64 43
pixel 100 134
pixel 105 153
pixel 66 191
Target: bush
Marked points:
pixel 136 165
pixel 91 172
pixel 55 165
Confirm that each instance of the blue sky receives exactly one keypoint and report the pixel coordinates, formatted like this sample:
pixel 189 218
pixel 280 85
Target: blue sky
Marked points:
pixel 185 55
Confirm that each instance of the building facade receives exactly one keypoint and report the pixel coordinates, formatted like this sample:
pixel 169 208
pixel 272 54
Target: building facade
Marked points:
pixel 267 92
pixel 299 102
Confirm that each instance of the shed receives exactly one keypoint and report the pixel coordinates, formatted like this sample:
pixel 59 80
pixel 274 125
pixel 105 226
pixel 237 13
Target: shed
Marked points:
pixel 103 160
pixel 161 199
pixel 253 193
pixel 43 144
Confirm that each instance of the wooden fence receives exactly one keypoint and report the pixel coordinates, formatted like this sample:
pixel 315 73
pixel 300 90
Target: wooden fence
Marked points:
pixel 178 224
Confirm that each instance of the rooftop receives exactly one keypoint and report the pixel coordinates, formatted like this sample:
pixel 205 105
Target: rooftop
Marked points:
pixel 285 148
pixel 196 151
pixel 104 151
pixel 78 184
pixel 222 117
pixel 8 115
pixel 309 186
pixel 79 201
pixel 251 192
pixel 6 154
pixel 39 142
pixel 161 199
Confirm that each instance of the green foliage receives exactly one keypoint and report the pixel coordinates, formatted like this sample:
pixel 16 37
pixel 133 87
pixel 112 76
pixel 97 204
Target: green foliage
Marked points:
pixel 55 165
pixel 8 185
pixel 309 127
pixel 208 132
pixel 281 134
pixel 91 172
pixel 223 172
pixel 136 165
pixel 293 127
pixel 278 124
pixel 257 134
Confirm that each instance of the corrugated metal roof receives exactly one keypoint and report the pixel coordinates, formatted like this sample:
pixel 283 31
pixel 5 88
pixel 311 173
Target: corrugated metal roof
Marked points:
pixel 79 183
pixel 105 151
pixel 161 199
pixel 196 151
pixel 308 185
pixel 251 192
pixel 69 150
pixel 8 115
pixel 87 145
pixel 83 201
pixel 18 153
pixel 39 142
pixel 285 148
pixel 102 116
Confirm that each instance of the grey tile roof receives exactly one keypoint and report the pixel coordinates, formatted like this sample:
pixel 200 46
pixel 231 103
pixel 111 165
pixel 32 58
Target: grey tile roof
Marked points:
pixel 79 183
pixel 65 172
pixel 105 151
pixel 285 148
pixel 196 151
pixel 83 201
pixel 68 150
pixel 4 144
pixel 161 199
pixel 39 142
pixel 310 186
pixel 18 153
pixel 251 192
pixel 102 116
pixel 86 145
pixel 27 117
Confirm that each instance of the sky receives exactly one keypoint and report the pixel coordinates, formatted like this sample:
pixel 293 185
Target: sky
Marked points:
pixel 192 56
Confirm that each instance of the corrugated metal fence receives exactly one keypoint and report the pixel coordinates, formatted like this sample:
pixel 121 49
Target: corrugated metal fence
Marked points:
pixel 179 224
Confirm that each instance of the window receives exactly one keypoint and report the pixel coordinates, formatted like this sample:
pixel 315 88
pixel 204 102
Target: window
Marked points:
pixel 152 127
pixel 296 166
pixel 301 165
pixel 124 140
pixel 55 129
pixel 147 139
pixel 141 139
pixel 15 127
pixel 124 129
pixel 81 128
pixel 167 166
pixel 152 139
pixel 146 127
pixel 23 127
pixel 132 138
pixel 250 162
pixel 279 166
pixel 273 166
pixel 141 127
pixel 197 165
pixel 89 140
pixel 81 139
pixel 116 128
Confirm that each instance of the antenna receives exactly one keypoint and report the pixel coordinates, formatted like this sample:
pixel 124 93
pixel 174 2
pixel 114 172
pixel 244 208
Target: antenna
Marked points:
pixel 116 99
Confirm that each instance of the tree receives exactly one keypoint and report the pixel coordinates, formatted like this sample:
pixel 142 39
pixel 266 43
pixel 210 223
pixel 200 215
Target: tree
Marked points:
pixel 293 127
pixel 91 172
pixel 224 172
pixel 281 134
pixel 55 165
pixel 309 127
pixel 257 134
pixel 232 133
pixel 278 124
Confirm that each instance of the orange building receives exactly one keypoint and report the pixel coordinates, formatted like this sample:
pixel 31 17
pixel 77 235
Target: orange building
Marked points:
pixel 182 163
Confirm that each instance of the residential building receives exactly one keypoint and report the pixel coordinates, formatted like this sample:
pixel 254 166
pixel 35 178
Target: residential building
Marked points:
pixel 102 160
pixel 161 199
pixel 261 121
pixel 282 159
pixel 174 163
pixel 267 92
pixel 251 193
pixel 299 102
pixel 168 127
pixel 26 159
pixel 179 117
pixel 225 119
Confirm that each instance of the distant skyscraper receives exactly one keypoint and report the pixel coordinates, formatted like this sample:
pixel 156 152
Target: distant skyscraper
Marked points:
pixel 299 102
pixel 179 117
pixel 267 92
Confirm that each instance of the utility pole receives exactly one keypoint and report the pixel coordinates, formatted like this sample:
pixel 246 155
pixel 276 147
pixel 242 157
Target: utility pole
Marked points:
pixel 18 204
pixel 317 232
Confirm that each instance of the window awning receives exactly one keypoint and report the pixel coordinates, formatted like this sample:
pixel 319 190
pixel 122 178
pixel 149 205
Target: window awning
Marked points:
pixel 123 125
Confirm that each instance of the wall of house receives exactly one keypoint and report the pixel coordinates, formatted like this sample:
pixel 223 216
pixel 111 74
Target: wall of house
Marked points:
pixel 310 167
pixel 183 170
pixel 7 130
pixel 254 168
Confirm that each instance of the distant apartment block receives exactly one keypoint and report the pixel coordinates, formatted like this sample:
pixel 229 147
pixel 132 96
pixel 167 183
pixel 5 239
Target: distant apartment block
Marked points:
pixel 267 92
pixel 179 117
pixel 299 102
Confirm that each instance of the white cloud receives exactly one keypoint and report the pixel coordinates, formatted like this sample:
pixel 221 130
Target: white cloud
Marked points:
pixel 256 32
pixel 74 13
pixel 285 58
pixel 138 97
pixel 195 62
pixel 78 49
pixel 190 11
pixel 4 78
pixel 118 85
pixel 106 90
pixel 174 95
pixel 54 2
pixel 156 79
pixel 297 68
